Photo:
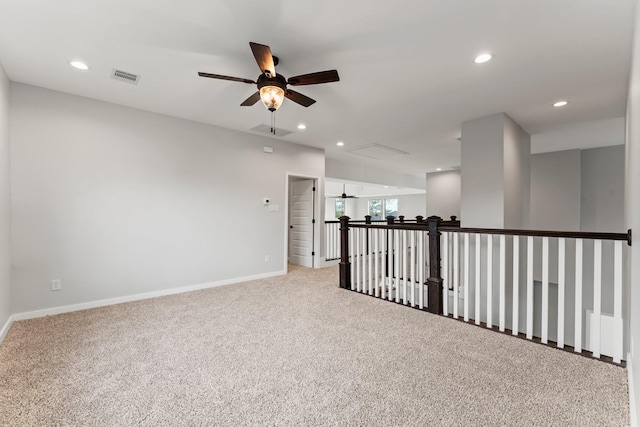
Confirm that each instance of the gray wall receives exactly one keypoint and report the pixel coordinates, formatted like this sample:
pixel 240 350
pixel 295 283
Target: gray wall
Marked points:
pixel 517 175
pixel 5 204
pixel 482 190
pixel 632 211
pixel 443 194
pixel 555 191
pixel 116 201
pixel 602 189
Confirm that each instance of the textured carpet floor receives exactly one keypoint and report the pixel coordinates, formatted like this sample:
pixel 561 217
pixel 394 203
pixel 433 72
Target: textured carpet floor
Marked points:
pixel 292 350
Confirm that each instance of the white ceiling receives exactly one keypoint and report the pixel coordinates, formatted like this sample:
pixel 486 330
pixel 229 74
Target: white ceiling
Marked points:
pixel 408 79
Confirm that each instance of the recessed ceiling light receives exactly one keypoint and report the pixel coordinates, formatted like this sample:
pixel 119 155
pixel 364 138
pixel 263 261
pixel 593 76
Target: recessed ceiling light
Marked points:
pixel 560 103
pixel 302 126
pixel 79 65
pixel 340 144
pixel 481 59
pixel 439 169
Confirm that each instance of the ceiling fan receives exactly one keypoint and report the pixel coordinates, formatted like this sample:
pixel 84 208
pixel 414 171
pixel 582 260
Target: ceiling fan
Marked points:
pixel 343 195
pixel 272 87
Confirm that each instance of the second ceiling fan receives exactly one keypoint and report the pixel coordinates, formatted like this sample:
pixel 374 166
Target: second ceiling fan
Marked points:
pixel 344 195
pixel 272 87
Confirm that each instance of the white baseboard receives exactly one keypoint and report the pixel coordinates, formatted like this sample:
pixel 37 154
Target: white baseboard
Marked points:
pixel 130 298
pixel 5 328
pixel 324 263
pixel 633 415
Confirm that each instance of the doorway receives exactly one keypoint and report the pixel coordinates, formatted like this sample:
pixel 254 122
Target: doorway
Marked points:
pixel 301 221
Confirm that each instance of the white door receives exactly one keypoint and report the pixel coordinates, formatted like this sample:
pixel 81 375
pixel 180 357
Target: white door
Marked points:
pixel 301 222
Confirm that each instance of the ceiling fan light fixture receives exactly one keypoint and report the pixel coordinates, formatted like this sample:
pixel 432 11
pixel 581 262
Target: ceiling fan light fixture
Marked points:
pixel 271 97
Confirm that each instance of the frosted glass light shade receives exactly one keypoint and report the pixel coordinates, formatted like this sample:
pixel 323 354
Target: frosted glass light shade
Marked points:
pixel 271 97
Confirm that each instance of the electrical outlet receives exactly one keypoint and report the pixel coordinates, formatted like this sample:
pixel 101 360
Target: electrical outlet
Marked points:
pixel 267 258
pixel 56 285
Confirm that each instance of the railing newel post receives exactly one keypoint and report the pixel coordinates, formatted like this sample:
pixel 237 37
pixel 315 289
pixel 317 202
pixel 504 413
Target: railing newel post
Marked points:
pixel 434 282
pixel 367 219
pixel 390 220
pixel 345 264
pixel 401 218
pixel 419 219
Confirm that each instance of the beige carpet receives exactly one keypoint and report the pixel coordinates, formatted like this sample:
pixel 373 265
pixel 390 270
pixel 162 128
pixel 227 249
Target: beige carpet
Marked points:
pixel 293 350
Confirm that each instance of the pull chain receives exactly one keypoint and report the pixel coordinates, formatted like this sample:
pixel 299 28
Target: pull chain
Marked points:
pixel 273 122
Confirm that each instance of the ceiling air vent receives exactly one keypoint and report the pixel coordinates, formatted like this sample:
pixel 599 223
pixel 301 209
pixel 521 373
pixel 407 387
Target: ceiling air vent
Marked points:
pixel 125 77
pixel 377 151
pixel 267 129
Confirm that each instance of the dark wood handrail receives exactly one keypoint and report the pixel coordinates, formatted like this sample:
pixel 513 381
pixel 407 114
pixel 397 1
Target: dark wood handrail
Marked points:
pixel 541 233
pixel 444 226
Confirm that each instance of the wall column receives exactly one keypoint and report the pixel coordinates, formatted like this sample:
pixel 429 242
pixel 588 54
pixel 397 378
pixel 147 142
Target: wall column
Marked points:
pixel 495 172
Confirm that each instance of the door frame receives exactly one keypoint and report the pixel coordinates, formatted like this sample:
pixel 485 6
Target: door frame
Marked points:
pixel 317 206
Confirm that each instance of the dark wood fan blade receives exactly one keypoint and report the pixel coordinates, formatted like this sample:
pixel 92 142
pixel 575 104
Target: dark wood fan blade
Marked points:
pixel 233 79
pixel 264 58
pixel 314 78
pixel 251 100
pixel 301 99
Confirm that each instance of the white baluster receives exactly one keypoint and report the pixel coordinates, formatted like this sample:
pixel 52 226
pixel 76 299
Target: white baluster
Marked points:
pixel 617 299
pixel 383 263
pixel 376 261
pixel 489 280
pixel 516 286
pixel 597 298
pixel 370 255
pixel 404 268
pixel 445 273
pixel 577 340
pixel 352 243
pixel 396 264
pixel 390 257
pixel 477 293
pixel 421 268
pixel 529 287
pixel 503 286
pixel 412 245
pixel 360 272
pixel 363 255
pixel 545 291
pixel 466 277
pixel 456 272
pixel 561 291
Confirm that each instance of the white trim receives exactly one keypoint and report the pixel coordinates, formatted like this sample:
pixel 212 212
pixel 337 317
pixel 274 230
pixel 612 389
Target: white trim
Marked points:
pixel 5 329
pixel 324 263
pixel 318 212
pixel 129 298
pixel 633 421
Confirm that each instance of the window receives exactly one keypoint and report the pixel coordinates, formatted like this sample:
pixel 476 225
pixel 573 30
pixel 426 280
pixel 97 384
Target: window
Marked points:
pixel 391 208
pixel 375 209
pixel 382 208
pixel 339 208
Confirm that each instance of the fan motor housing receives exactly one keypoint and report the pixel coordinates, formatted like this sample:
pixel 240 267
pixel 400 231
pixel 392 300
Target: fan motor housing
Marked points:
pixel 278 81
